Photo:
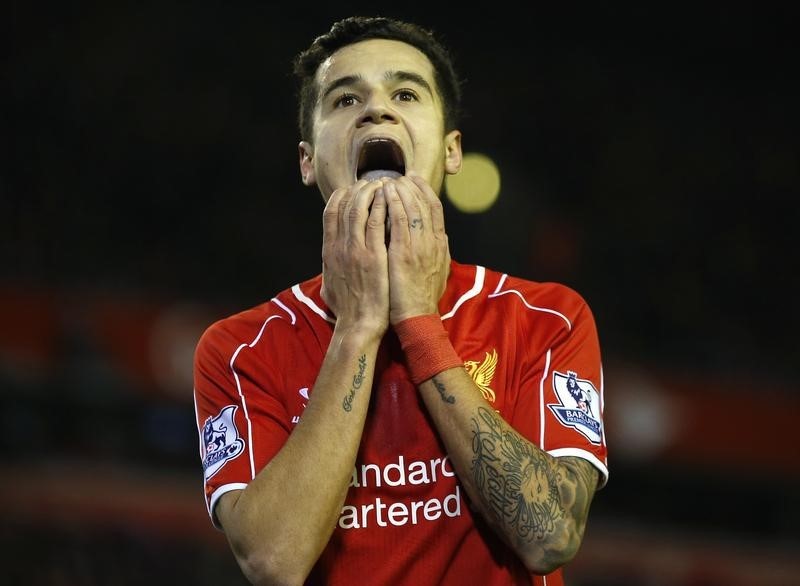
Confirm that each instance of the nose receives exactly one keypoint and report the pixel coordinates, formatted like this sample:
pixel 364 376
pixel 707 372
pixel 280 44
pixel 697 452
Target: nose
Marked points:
pixel 377 111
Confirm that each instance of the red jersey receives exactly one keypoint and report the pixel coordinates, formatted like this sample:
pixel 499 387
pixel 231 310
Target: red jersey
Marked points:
pixel 531 348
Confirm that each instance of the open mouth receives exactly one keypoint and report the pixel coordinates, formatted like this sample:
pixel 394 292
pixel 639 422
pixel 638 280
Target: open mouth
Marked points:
pixel 380 157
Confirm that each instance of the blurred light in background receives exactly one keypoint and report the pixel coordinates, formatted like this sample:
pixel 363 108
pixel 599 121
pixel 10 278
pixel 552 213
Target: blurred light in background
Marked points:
pixel 476 187
pixel 173 337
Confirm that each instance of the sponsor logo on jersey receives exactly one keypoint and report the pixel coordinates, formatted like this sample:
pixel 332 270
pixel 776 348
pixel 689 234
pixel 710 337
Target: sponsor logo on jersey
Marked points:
pixel 482 373
pixel 372 503
pixel 579 405
pixel 221 441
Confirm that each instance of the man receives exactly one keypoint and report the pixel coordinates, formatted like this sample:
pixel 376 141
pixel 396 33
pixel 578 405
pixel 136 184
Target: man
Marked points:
pixel 401 418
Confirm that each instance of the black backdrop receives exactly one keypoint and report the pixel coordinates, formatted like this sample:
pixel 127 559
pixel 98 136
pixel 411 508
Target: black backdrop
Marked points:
pixel 650 160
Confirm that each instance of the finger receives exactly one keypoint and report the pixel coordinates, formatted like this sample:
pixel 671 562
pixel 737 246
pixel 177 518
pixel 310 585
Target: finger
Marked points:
pixel 344 207
pixel 398 219
pixel 341 213
pixel 358 211
pixel 330 216
pixel 416 209
pixel 376 223
pixel 434 203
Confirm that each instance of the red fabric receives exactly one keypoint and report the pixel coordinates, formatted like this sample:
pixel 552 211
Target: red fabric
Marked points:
pixel 427 348
pixel 406 519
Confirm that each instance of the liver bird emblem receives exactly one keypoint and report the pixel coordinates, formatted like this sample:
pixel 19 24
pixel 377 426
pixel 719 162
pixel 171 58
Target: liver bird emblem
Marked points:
pixel 482 373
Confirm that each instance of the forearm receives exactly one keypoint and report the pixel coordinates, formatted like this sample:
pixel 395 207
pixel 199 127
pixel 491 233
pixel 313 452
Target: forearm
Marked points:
pixel 284 518
pixel 538 504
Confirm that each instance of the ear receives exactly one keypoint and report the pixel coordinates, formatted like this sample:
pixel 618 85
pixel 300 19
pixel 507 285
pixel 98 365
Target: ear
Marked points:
pixel 453 154
pixel 306 152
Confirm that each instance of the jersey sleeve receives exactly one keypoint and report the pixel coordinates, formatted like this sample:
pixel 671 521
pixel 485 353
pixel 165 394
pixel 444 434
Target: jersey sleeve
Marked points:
pixel 241 419
pixel 565 392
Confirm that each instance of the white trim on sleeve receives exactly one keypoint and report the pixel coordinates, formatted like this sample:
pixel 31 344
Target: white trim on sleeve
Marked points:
pixel 215 497
pixel 586 455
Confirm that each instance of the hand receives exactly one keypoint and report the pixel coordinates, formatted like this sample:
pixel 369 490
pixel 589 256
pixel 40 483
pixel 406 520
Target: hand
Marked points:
pixel 419 255
pixel 355 281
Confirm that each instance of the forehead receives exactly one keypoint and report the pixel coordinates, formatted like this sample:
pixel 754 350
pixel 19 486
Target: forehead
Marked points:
pixel 371 59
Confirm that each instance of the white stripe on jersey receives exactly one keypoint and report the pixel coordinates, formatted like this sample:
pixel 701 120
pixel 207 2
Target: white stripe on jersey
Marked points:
pixel 480 274
pixel 200 439
pixel 498 293
pixel 278 302
pixel 305 300
pixel 545 374
pixel 212 502
pixel 586 455
pixel 602 407
pixel 241 394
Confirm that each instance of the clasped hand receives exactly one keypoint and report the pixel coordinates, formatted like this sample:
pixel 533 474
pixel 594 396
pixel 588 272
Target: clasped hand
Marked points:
pixel 385 254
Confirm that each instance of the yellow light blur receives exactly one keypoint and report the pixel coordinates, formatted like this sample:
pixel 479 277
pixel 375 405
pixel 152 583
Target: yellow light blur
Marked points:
pixel 476 187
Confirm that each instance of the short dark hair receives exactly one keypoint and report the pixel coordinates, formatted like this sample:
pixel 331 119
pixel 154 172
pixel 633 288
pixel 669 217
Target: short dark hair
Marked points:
pixel 359 28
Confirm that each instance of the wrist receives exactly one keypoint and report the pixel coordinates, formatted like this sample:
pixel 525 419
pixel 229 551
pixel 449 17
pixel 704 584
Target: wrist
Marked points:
pixel 396 317
pixel 360 331
pixel 427 347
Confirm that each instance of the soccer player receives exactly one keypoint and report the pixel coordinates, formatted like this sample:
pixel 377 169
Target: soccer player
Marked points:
pixel 401 418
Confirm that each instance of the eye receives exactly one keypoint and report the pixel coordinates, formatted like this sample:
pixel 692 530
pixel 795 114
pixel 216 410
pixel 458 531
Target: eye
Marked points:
pixel 406 96
pixel 345 100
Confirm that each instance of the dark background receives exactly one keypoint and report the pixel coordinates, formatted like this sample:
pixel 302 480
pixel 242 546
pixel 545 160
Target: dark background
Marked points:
pixel 150 185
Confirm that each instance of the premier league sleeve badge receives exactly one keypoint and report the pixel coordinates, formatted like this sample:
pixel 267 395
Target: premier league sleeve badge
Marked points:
pixel 579 405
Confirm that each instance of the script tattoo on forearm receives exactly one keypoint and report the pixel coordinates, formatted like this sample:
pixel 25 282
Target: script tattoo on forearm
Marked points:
pixel 518 487
pixel 358 380
pixel 443 392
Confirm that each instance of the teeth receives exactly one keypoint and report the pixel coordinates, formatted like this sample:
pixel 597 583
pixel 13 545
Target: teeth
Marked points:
pixel 379 173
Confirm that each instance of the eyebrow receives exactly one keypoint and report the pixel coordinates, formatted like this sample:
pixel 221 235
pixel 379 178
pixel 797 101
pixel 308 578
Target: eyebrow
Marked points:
pixel 342 81
pixel 389 76
pixel 409 76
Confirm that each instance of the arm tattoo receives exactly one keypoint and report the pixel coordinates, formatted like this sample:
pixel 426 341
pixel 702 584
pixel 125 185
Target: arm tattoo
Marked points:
pixel 443 392
pixel 358 380
pixel 417 223
pixel 516 483
pixel 583 476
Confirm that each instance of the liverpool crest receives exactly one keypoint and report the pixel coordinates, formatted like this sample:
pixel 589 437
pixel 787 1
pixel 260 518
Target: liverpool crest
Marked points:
pixel 482 373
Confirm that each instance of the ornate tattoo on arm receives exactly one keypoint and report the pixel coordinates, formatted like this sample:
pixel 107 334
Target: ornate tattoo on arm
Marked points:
pixel 581 483
pixel 443 392
pixel 517 484
pixel 358 380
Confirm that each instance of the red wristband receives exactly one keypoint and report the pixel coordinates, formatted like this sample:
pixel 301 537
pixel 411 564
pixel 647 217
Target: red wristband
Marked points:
pixel 427 347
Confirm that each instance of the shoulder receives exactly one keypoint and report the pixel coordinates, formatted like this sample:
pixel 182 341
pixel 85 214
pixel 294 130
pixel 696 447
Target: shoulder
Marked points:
pixel 548 294
pixel 247 327
pixel 512 292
